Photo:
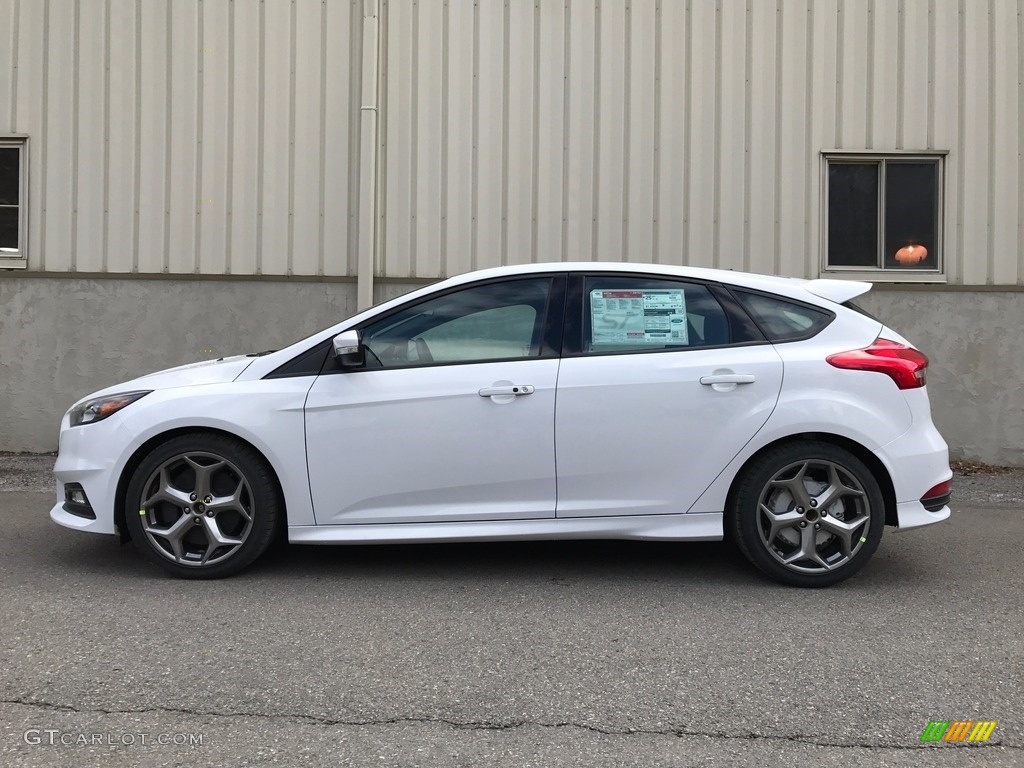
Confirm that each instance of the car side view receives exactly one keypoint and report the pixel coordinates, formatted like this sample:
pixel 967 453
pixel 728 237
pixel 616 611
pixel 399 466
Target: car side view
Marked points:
pixel 545 401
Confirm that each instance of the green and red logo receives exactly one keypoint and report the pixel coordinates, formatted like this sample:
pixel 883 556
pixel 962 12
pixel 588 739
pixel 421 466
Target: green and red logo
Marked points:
pixel 958 730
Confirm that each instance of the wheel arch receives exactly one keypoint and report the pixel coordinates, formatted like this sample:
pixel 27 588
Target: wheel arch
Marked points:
pixel 873 463
pixel 147 447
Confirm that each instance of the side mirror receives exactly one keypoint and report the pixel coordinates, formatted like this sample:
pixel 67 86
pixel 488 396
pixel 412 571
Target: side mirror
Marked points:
pixel 348 349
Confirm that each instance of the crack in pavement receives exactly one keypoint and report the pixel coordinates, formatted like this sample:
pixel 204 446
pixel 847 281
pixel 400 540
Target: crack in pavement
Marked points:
pixel 484 725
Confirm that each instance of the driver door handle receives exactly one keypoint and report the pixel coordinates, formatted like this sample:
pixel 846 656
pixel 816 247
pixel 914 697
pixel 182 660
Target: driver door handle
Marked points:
pixel 513 389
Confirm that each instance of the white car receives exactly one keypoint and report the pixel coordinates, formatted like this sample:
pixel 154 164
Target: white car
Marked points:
pixel 549 401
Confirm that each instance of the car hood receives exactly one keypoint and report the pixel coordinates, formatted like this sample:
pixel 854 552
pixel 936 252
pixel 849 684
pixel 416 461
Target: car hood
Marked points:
pixel 207 372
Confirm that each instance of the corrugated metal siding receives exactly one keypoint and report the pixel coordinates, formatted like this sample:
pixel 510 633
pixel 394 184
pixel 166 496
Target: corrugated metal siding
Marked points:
pixel 688 132
pixel 219 137
pixel 193 136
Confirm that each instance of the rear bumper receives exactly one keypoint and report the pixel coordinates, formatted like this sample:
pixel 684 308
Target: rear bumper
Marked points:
pixel 912 514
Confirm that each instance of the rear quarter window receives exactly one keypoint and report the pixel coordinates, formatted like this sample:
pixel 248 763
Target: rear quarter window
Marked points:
pixel 784 320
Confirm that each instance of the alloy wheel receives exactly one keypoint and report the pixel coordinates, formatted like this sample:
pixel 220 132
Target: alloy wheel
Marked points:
pixel 813 516
pixel 197 509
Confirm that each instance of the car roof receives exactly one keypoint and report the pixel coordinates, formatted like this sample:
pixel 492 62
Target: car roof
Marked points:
pixel 824 293
pixel 836 291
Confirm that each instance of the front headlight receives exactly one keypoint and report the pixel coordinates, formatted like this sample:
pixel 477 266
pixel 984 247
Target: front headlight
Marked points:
pixel 99 408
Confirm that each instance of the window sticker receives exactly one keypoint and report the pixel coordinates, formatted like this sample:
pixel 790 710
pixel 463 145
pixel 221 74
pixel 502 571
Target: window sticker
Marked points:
pixel 638 317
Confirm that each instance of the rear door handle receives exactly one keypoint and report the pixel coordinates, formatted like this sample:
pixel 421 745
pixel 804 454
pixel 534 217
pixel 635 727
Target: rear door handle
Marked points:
pixel 512 389
pixel 727 378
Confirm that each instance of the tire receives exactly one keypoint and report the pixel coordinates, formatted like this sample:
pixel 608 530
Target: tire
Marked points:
pixel 203 506
pixel 807 514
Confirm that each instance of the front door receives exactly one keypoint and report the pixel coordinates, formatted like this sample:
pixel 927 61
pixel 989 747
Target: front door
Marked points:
pixel 452 417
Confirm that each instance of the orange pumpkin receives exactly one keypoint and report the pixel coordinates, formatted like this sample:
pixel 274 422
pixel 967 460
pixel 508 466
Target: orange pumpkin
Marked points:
pixel 911 254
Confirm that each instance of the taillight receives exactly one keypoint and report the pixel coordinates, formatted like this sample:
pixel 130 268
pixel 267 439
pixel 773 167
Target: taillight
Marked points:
pixel 938 496
pixel 904 365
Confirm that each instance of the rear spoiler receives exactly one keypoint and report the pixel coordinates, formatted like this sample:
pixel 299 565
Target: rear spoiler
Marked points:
pixel 839 291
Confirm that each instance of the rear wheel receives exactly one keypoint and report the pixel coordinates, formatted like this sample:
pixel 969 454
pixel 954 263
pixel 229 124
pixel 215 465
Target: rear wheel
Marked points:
pixel 203 506
pixel 808 514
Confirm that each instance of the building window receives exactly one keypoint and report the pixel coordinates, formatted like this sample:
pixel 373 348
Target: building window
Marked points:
pixel 883 213
pixel 13 198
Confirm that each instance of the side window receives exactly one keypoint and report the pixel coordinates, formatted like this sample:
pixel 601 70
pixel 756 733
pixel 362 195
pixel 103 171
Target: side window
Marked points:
pixel 495 321
pixel 639 314
pixel 782 320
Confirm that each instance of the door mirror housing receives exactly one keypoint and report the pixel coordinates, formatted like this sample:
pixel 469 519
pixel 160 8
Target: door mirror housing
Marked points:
pixel 348 349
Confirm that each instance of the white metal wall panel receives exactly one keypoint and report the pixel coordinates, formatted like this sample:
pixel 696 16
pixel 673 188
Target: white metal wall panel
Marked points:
pixel 1004 174
pixel 341 40
pixel 183 189
pixel 975 111
pixel 703 172
pixel 213 148
pixel 549 204
pixel 491 135
pixel 705 149
pixel 759 245
pixel 10 12
pixel 245 147
pixel 121 151
pixel 60 133
pixel 885 87
pixel 428 137
pixel 89 176
pixel 945 126
pixel 308 164
pixel 793 211
pixel 199 136
pixel 641 156
pixel 29 90
pixel 398 224
pixel 611 121
pixel 459 137
pixel 521 161
pixel 672 43
pixel 154 161
pixel 275 71
pixel 729 86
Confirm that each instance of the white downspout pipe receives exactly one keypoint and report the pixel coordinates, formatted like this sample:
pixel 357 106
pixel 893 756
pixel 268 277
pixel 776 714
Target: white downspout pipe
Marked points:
pixel 368 155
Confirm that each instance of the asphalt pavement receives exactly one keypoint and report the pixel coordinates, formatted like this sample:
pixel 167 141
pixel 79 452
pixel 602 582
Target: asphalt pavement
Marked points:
pixel 541 654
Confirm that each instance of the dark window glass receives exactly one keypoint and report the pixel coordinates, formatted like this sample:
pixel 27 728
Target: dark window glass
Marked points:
pixel 627 314
pixel 495 321
pixel 911 215
pixel 10 175
pixel 783 320
pixel 9 228
pixel 853 215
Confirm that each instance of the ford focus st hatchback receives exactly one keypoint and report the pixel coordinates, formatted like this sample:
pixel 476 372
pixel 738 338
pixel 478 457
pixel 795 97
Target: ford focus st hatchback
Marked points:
pixel 550 401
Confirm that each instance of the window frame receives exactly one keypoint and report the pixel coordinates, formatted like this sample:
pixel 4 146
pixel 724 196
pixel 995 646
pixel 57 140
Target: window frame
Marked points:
pixel 19 259
pixel 882 273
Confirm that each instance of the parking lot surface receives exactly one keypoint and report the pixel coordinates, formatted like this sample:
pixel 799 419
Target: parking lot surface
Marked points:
pixel 541 654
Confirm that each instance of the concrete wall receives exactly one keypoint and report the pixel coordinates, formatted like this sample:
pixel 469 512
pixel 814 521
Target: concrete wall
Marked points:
pixel 63 338
pixel 975 343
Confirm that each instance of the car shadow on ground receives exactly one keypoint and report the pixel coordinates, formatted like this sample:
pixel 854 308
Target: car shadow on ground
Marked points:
pixel 525 562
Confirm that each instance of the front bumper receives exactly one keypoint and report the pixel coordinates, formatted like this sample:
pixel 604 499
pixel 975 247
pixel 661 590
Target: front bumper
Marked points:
pixel 91 456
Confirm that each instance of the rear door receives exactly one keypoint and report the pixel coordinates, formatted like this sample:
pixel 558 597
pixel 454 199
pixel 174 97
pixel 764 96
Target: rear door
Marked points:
pixel 660 386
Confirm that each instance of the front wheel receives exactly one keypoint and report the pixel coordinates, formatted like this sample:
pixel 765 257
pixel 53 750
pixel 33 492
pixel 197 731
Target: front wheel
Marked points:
pixel 203 506
pixel 808 514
